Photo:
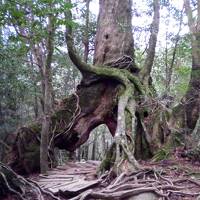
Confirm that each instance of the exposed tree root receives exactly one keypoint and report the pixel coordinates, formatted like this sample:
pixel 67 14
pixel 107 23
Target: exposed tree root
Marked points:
pixel 17 187
pixel 144 181
pixel 124 140
pixel 193 154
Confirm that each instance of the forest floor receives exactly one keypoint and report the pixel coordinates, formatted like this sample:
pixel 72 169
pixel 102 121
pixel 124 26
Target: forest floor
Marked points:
pixel 170 179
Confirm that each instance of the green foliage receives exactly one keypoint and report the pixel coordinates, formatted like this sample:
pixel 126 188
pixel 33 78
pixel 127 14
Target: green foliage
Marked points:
pixel 139 57
pixel 31 16
pixel 162 154
pixel 24 26
pixel 181 79
pixel 15 86
pixel 65 75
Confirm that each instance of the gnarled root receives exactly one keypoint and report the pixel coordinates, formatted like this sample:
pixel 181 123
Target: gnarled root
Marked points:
pixel 125 160
pixel 145 184
pixel 17 187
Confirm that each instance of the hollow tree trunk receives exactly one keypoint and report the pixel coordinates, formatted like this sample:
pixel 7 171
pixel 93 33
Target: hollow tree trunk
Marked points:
pixel 114 37
pixel 115 50
pixel 113 47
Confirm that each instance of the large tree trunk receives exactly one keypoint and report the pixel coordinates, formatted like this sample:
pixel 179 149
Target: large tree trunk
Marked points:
pixel 193 94
pixel 114 37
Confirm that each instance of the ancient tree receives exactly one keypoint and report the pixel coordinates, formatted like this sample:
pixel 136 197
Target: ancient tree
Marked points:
pixel 113 91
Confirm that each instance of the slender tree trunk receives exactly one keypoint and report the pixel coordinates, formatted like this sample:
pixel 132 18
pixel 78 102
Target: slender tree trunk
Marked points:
pixel 103 144
pixel 40 60
pixel 36 109
pixel 48 102
pixel 34 77
pixel 146 70
pixel 86 32
pixel 104 96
